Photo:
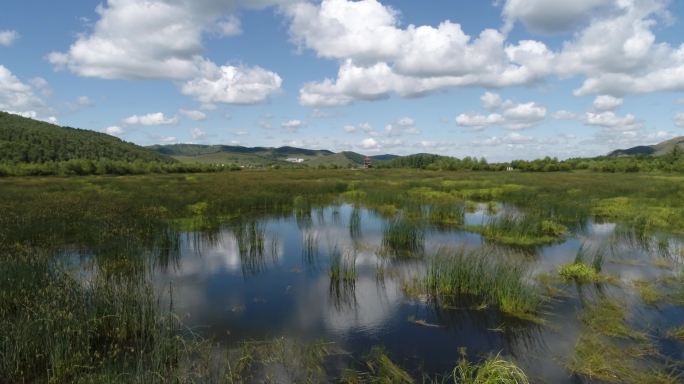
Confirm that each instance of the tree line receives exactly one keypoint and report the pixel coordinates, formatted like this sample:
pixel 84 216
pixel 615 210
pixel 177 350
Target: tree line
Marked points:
pixel 670 162
pixel 81 167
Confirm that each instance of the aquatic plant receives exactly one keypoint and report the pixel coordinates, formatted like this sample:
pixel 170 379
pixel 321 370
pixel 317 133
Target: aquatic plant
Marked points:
pixel 676 333
pixel 403 238
pixel 57 329
pixel 579 270
pixel 279 359
pixel 383 370
pixel 355 223
pixel 251 245
pixel 342 268
pixel 446 215
pixel 521 230
pixel 485 277
pixel 494 370
pixel 310 249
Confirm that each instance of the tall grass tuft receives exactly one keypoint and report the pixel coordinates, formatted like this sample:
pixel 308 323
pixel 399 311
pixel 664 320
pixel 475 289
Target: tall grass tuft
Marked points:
pixel 342 267
pixel 251 245
pixel 579 270
pixel 355 223
pixel 446 215
pixel 57 329
pixel 521 230
pixel 310 249
pixel 403 238
pixel 485 277
pixel 494 370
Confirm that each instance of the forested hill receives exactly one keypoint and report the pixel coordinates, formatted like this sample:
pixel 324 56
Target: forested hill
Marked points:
pixel 659 149
pixel 24 140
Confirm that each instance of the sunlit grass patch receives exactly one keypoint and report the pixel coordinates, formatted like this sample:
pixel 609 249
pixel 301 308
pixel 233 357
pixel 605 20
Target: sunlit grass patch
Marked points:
pixel 446 215
pixel 277 360
pixel 649 292
pixel 609 350
pixel 597 358
pixel 489 194
pixel 521 231
pixel 608 317
pixel 676 333
pixel 384 370
pixel 494 370
pixel 582 272
pixel 643 215
pixel 428 195
pixel 665 290
pixel 486 278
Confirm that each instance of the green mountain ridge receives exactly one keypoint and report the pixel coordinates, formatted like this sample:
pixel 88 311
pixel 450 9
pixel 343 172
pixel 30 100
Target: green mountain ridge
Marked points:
pixel 659 149
pixel 24 140
pixel 27 141
pixel 261 156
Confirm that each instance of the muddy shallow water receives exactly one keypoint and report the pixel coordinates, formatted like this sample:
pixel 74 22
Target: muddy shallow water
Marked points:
pixel 270 278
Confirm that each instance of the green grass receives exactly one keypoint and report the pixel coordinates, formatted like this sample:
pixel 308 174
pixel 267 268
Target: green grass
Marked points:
pixel 582 272
pixel 598 359
pixel 608 317
pixel 403 238
pixel 383 370
pixel 57 329
pixel 446 215
pixel 494 370
pixel 342 268
pixel 484 278
pixel 523 231
pixel 611 351
pixel 251 240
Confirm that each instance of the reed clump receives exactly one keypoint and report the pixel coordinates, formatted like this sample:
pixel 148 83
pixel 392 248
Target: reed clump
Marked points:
pixel 446 215
pixel 582 272
pixel 494 370
pixel 402 237
pixel 521 230
pixel 342 268
pixel 485 277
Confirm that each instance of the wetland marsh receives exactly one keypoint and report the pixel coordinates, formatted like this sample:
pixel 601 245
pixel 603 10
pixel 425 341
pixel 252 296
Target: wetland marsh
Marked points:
pixel 388 276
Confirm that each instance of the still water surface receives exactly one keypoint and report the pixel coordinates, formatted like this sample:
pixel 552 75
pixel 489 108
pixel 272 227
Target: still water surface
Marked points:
pixel 227 290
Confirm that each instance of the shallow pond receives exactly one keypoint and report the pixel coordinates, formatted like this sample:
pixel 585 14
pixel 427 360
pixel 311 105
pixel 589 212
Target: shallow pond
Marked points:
pixel 270 277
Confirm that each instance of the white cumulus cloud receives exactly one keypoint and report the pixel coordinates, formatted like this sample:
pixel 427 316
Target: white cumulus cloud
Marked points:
pixel 369 143
pixel 8 37
pixel 607 103
pixel 20 98
pixel 193 114
pixel 233 85
pixel 379 58
pixel 151 119
pixel 679 120
pixel 114 130
pixel 197 134
pixel 612 121
pixel 161 39
pixel 507 114
pixel 479 121
pixel 292 125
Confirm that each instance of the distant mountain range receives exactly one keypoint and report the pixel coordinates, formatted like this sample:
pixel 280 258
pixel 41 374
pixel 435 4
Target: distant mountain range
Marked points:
pixel 24 140
pixel 260 156
pixel 650 150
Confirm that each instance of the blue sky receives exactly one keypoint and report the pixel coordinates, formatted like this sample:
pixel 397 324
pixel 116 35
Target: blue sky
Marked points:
pixel 501 79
